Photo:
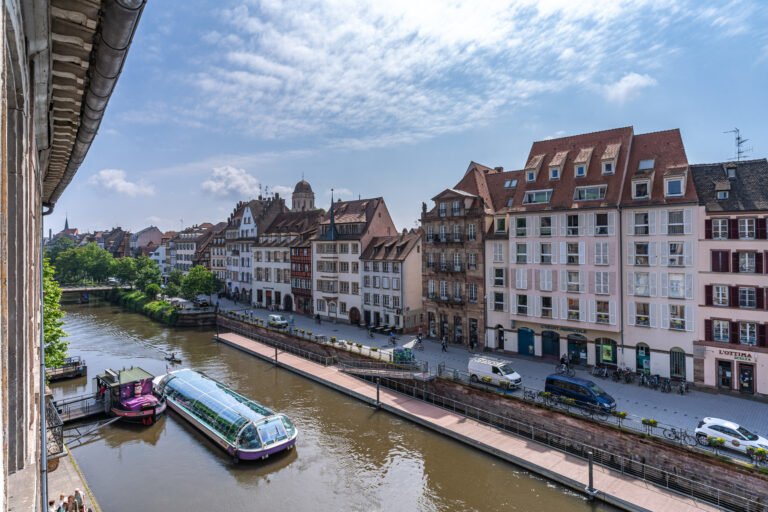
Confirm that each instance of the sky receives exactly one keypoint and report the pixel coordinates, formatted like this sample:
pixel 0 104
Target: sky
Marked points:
pixel 220 101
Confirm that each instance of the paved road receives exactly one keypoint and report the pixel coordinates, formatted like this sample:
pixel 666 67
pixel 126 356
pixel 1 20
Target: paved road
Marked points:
pixel 669 408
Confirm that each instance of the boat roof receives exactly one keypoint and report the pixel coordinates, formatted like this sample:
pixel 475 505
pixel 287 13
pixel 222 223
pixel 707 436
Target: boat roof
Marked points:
pixel 124 376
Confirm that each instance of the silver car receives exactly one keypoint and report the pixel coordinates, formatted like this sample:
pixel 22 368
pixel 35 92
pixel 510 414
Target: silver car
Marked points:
pixel 736 437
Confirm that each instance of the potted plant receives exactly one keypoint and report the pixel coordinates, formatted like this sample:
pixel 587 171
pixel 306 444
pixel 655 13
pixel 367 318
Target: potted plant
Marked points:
pixel 760 455
pixel 486 380
pixel 620 416
pixel 649 423
pixel 333 339
pixel 715 443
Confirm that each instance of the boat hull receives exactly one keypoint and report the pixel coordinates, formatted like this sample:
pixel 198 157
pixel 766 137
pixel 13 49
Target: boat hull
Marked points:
pixel 144 416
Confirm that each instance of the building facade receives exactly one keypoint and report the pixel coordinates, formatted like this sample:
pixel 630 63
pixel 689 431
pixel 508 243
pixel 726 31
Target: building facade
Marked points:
pixel 218 248
pixel 731 352
pixel 150 235
pixel 186 244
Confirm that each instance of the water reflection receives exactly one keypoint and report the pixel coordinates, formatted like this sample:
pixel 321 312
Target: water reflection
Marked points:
pixel 348 456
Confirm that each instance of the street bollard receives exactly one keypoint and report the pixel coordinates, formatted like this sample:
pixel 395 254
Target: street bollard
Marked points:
pixel 590 489
pixel 275 356
pixel 378 390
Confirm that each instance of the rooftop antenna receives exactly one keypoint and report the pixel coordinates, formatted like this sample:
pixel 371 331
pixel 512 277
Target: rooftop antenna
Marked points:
pixel 741 151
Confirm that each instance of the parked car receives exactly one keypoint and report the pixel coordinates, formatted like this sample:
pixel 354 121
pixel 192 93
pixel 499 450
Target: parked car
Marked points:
pixel 498 370
pixel 112 281
pixel 278 321
pixel 585 392
pixel 736 437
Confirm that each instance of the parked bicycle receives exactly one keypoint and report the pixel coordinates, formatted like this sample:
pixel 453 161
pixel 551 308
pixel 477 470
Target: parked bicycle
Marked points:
pixel 564 369
pixel 683 387
pixel 594 412
pixel 680 435
pixel 601 371
pixel 666 385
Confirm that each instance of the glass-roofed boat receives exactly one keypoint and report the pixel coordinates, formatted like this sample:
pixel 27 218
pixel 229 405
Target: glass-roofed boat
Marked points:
pixel 245 429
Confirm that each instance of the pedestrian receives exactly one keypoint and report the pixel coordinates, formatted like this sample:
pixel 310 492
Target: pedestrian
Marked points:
pixel 444 343
pixel 61 504
pixel 51 505
pixel 79 500
pixel 71 505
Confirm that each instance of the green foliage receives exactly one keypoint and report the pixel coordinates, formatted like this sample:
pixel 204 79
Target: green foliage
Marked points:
pixel 147 273
pixel 125 270
pixel 176 277
pixel 620 414
pixel 649 422
pixel 55 248
pixel 172 290
pixel 137 301
pixel 199 281
pixel 83 264
pixel 152 290
pixel 53 334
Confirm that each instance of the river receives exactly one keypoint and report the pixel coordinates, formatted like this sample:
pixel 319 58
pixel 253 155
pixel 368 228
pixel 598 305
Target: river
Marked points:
pixel 348 457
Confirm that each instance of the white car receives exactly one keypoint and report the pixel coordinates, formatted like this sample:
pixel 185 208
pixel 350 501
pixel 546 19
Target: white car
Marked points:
pixel 736 437
pixel 497 371
pixel 278 321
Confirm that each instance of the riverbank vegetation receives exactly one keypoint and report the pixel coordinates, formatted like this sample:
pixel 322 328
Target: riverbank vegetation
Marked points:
pixel 53 319
pixel 139 302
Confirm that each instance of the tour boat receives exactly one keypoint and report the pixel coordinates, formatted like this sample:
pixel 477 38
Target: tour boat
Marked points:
pixel 127 394
pixel 245 429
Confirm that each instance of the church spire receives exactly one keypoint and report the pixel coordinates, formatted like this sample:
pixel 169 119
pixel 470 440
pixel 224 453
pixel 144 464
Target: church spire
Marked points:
pixel 332 229
pixel 66 222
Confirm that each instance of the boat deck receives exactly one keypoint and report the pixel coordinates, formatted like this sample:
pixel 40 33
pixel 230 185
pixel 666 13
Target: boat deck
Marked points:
pixel 613 487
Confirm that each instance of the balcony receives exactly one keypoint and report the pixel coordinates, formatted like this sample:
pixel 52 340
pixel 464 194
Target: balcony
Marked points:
pixel 447 239
pixel 449 268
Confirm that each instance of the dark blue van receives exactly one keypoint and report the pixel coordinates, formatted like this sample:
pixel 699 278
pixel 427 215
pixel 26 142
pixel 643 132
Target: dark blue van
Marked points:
pixel 584 391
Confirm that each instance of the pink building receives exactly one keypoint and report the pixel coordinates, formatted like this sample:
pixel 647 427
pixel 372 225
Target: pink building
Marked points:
pixel 731 352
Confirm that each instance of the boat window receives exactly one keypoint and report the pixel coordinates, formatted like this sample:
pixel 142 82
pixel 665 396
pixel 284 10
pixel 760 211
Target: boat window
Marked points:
pixel 272 431
pixel 249 438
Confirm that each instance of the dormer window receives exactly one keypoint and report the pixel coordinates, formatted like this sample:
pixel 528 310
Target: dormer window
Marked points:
pixel 554 173
pixel 722 194
pixel 646 165
pixel 509 203
pixel 530 176
pixel 590 193
pixel 510 183
pixel 501 224
pixel 673 187
pixel 641 189
pixel 581 171
pixel 608 167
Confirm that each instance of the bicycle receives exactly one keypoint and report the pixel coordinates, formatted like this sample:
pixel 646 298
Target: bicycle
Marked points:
pixel 680 435
pixel 683 389
pixel 666 385
pixel 564 369
pixel 530 394
pixel 594 412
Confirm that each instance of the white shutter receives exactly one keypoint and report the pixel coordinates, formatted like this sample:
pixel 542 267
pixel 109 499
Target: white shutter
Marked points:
pixel 555 309
pixel 528 256
pixel 611 254
pixel 536 306
pixel 664 262
pixel 664 284
pixel 592 283
pixel 597 252
pixel 687 254
pixel 688 286
pixel 664 222
pixel 553 280
pixel 630 313
pixel 652 222
pixel 536 252
pixel 563 281
pixel 563 223
pixel 687 221
pixel 537 278
pixel 524 278
pixel 563 308
pixel 612 283
pixel 581 282
pixel 563 253
pixel 664 316
pixel 583 225
pixel 582 253
pixel 582 311
pixel 631 254
pixel 518 278
pixel 652 253
pixel 611 223
pixel 630 283
pixel 689 320
pixel 652 281
pixel 512 226
pixel 534 225
pixel 612 312
pixel 592 311
pixel 590 224
pixel 653 314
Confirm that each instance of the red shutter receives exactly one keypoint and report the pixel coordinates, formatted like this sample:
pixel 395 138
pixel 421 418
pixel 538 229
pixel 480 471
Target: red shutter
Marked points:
pixel 733 299
pixel 725 261
pixel 759 262
pixel 715 257
pixel 761 335
pixel 735 332
pixel 735 262
pixel 708 295
pixel 733 229
pixel 708 229
pixel 761 228
pixel 760 298
pixel 708 330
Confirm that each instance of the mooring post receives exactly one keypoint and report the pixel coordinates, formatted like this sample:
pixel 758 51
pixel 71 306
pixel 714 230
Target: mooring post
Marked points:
pixel 275 355
pixel 591 491
pixel 378 390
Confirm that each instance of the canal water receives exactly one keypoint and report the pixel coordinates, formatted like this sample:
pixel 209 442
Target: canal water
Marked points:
pixel 348 456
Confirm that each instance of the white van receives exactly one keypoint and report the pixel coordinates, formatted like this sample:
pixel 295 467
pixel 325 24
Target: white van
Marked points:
pixel 495 369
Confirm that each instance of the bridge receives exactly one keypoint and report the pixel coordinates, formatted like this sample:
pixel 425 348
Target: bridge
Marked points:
pixel 77 408
pixel 92 288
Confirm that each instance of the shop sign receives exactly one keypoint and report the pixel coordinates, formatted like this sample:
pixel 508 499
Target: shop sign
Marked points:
pixel 736 355
pixel 565 329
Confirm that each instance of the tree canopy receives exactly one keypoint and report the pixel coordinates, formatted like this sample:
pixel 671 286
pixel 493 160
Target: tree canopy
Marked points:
pixel 199 281
pixel 125 269
pixel 56 247
pixel 87 263
pixel 53 333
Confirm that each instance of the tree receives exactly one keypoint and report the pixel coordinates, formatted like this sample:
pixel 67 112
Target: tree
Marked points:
pixel 125 270
pixel 148 273
pixel 58 246
pixel 69 267
pixel 152 290
pixel 199 281
pixel 176 277
pixel 53 334
pixel 97 262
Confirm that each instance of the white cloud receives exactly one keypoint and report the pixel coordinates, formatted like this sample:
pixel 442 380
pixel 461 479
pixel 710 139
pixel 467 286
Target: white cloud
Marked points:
pixel 114 180
pixel 339 192
pixel 232 182
pixel 282 190
pixel 628 87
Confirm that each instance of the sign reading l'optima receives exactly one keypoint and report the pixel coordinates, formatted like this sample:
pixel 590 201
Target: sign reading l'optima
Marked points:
pixel 737 356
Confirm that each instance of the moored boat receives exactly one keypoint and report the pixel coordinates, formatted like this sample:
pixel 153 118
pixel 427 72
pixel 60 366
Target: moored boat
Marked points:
pixel 127 393
pixel 244 428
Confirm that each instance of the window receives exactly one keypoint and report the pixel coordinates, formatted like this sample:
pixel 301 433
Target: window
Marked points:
pixel 510 202
pixel 574 281
pixel 546 307
pixel 545 228
pixel 546 253
pixel 510 183
pixel 472 291
pixel 431 288
pixel 530 176
pixel 748 333
pixel 457 291
pixel 366 298
pixel 395 283
pixel 572 223
pixel 642 314
pixel 456 208
pixel 601 283
pixel 589 193
pixel 641 223
pixel 430 233
pixel 376 299
pixel 574 309
pixel 471 232
pixel 607 167
pixel 603 312
pixel 456 233
pixel 747 229
pixel 601 224
pixel 343 308
pixel 581 170
pixel 498 252
pixel 442 209
pixel 500 224
pixel 720 229
pixel 572 253
pixel 675 223
pixel 642 253
pixel 677 286
pixel 676 254
pixel 674 187
pixel 522 254
pixel 498 301
pixel 642 284
pixel 472 260
pixel 522 304
pixel 721 330
pixel 601 253
pixel 498 277
pixel 640 190
pixel 537 196
pixel 722 194
pixel 366 281
pixel 677 317
pixel 746 262
pixel 554 173
pixel 385 300
pixel 747 298
pixel 521 226
pixel 720 295
pixel 320 305
pixel 395 301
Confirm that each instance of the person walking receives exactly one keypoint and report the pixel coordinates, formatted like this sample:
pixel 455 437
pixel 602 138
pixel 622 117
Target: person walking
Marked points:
pixel 79 501
pixel 444 343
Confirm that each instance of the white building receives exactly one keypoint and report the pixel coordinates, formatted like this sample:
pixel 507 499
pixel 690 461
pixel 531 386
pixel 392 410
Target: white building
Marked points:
pixel 185 245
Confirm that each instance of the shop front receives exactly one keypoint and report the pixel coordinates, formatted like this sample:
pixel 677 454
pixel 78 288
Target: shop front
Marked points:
pixel 739 369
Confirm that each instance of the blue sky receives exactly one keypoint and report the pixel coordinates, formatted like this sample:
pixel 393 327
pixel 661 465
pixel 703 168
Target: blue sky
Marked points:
pixel 394 99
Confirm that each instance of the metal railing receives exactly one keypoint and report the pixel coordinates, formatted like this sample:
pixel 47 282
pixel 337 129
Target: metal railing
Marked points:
pixel 54 431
